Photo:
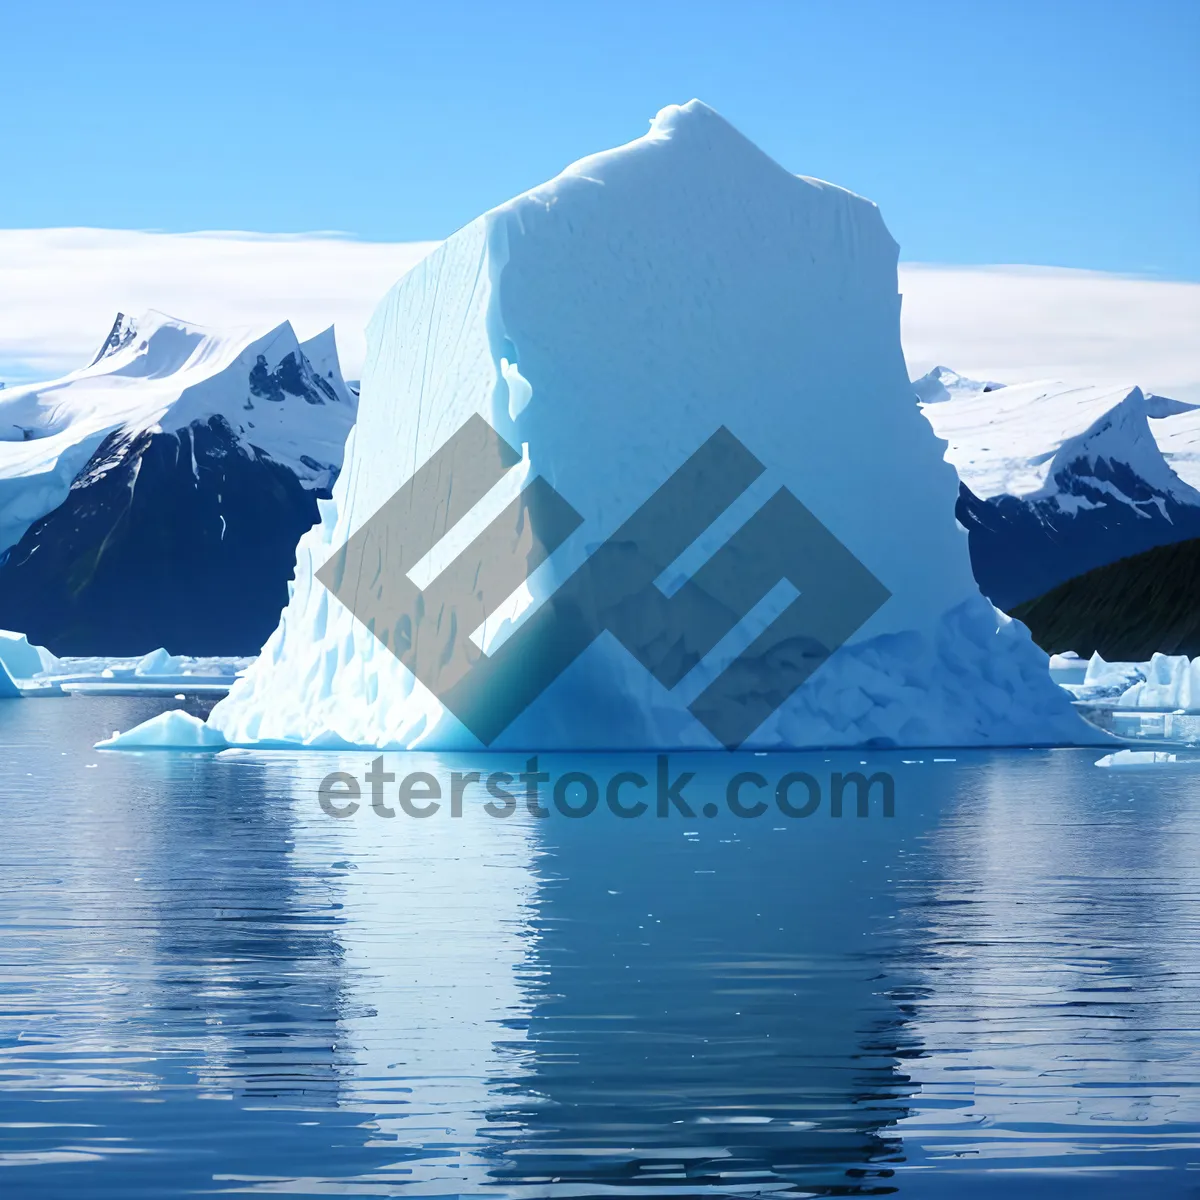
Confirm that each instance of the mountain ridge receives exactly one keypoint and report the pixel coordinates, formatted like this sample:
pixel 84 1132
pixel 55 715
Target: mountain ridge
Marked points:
pixel 1059 478
pixel 155 497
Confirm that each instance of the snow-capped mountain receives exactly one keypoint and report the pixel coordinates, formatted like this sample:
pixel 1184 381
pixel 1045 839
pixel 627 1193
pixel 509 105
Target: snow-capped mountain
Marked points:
pixel 155 497
pixel 1057 479
pixel 944 384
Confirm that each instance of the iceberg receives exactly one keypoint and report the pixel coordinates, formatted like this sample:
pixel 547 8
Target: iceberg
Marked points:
pixel 605 327
pixel 1153 701
pixel 1067 667
pixel 173 730
pixel 1170 681
pixel 9 688
pixel 30 670
pixel 1164 681
pixel 22 659
pixel 159 662
pixel 1106 680
pixel 1141 760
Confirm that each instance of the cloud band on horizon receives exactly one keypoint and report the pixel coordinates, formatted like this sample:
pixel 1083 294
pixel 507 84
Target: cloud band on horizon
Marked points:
pixel 60 288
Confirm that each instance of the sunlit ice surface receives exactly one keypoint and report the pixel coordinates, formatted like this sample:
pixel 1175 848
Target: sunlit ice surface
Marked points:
pixel 209 985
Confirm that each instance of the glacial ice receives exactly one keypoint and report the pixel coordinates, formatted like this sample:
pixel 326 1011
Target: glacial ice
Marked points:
pixel 9 688
pixel 173 730
pixel 33 670
pixel 1165 681
pixel 1067 668
pixel 1143 760
pixel 159 662
pixel 608 322
pixel 1170 681
pixel 1157 701
pixel 21 659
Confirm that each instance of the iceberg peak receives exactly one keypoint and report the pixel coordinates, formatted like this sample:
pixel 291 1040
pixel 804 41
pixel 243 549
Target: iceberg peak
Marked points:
pixel 694 115
pixel 676 292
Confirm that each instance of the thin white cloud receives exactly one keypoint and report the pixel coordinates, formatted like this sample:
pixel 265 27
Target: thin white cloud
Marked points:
pixel 60 288
pixel 1018 324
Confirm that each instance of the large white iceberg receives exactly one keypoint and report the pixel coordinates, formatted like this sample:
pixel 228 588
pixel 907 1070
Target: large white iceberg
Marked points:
pixel 608 323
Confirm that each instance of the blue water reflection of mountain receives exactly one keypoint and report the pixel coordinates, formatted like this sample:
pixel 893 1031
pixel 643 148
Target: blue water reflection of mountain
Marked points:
pixel 207 984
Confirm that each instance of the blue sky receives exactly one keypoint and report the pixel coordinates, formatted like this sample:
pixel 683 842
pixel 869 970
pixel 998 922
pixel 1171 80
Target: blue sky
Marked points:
pixel 1060 133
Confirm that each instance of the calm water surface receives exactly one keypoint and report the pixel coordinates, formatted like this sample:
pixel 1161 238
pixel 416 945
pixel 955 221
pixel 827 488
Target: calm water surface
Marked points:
pixel 209 986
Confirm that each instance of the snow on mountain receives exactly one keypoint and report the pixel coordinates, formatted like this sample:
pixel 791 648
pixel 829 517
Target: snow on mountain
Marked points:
pixel 1176 430
pixel 610 322
pixel 943 384
pixel 1019 441
pixel 1057 479
pixel 158 373
pixel 142 493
